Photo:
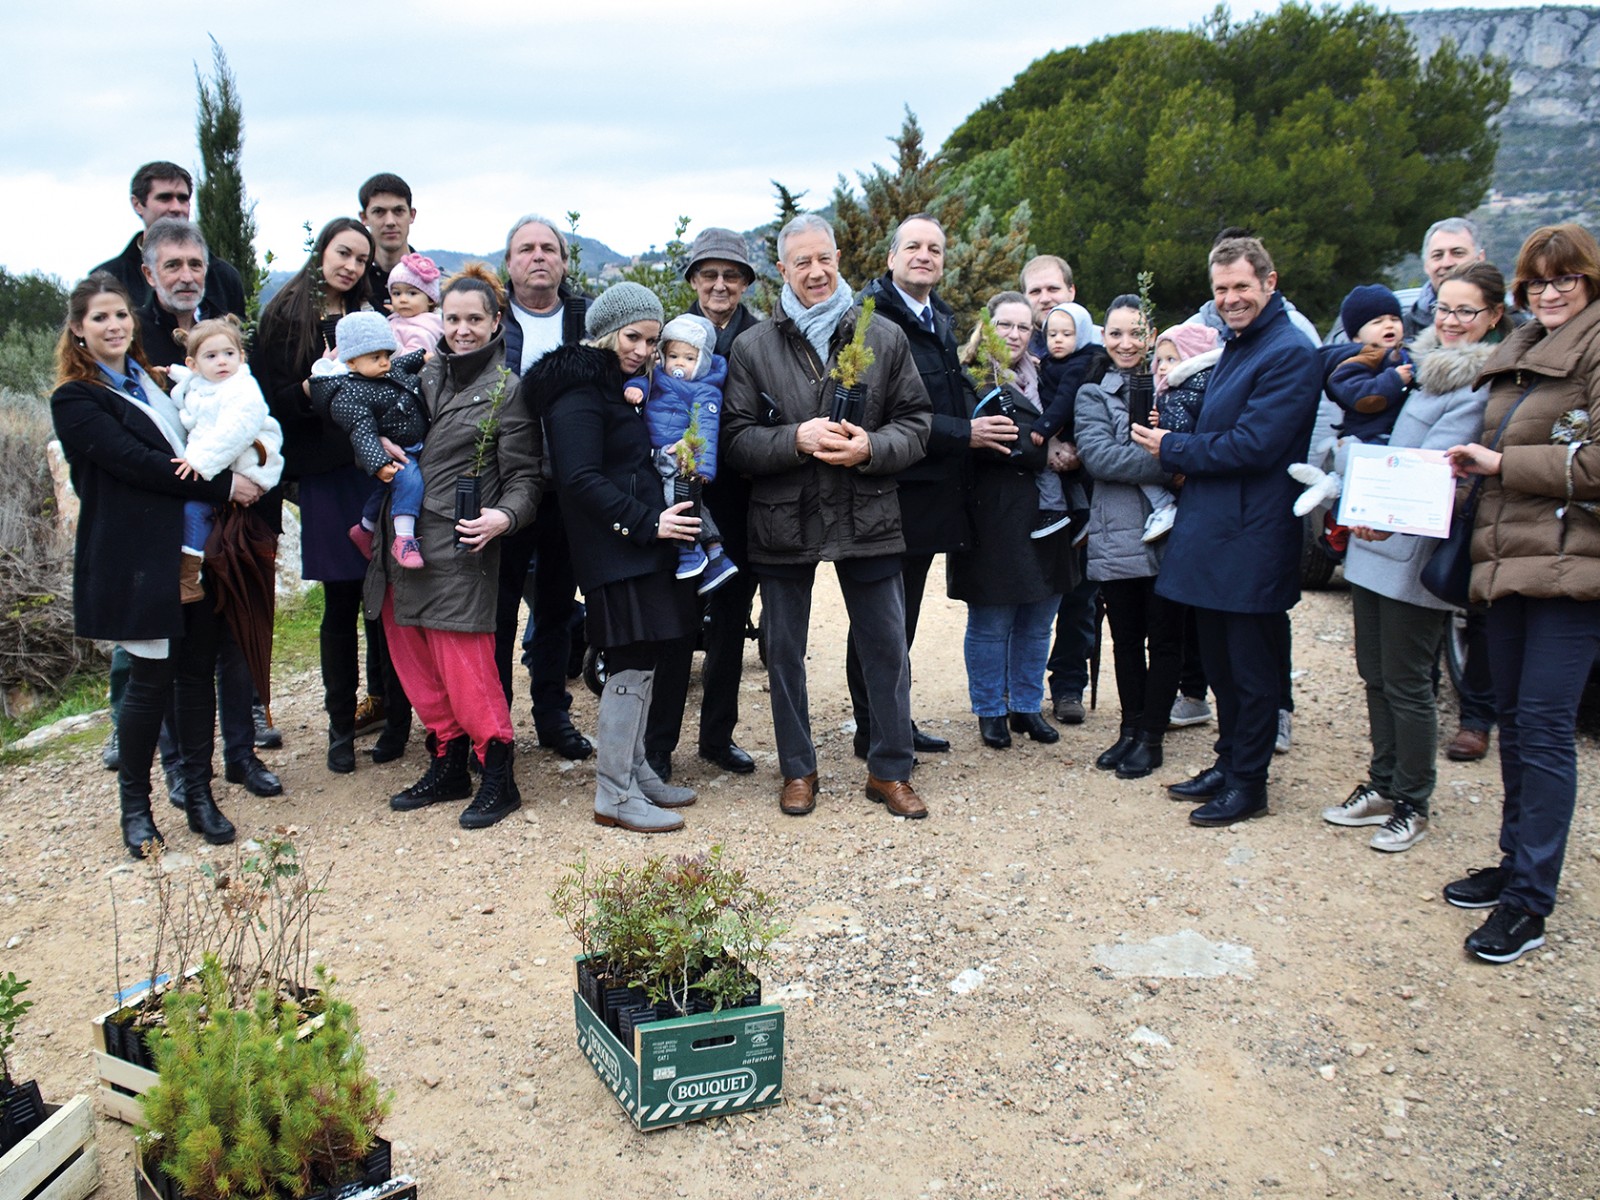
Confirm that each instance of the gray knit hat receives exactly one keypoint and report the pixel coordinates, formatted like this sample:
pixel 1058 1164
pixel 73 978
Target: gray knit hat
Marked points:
pixel 693 331
pixel 722 244
pixel 622 304
pixel 363 333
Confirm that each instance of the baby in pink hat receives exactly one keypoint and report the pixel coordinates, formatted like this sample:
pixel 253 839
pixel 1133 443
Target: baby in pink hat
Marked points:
pixel 413 297
pixel 1184 357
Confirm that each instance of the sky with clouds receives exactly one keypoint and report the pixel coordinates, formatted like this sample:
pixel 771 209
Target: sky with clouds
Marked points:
pixel 627 112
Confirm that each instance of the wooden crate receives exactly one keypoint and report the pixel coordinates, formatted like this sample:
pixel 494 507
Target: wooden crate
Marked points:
pixel 58 1160
pixel 119 1077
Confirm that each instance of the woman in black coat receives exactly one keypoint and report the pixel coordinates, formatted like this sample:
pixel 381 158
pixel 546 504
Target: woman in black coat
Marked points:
pixel 297 328
pixel 121 434
pixel 621 531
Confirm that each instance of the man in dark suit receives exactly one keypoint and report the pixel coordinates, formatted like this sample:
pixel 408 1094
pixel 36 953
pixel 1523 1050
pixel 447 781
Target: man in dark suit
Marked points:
pixel 1234 551
pixel 164 189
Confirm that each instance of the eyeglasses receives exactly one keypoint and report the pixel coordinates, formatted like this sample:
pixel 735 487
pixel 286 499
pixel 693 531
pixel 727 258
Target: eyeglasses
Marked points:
pixel 1562 284
pixel 712 275
pixel 1013 327
pixel 1463 314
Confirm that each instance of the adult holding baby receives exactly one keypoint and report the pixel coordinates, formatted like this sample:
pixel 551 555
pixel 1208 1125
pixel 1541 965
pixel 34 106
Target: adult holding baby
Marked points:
pixel 1536 563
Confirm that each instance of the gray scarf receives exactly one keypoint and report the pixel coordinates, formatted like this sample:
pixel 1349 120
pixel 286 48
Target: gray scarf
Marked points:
pixel 819 321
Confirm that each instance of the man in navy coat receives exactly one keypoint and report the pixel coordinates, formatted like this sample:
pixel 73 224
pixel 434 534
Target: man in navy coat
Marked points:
pixel 1234 552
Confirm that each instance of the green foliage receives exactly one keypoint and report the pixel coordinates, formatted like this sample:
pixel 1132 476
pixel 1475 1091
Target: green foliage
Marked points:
pixel 227 221
pixel 1316 128
pixel 672 926
pixel 788 209
pixel 989 358
pixel 988 258
pixel 662 272
pixel 691 447
pixel 243 1108
pixel 297 630
pixel 11 1011
pixel 31 301
pixel 488 427
pixel 856 356
pixel 574 253
pixel 27 360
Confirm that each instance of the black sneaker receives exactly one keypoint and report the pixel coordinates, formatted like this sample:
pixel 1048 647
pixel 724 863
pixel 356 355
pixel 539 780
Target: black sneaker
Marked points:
pixel 1506 936
pixel 1480 889
pixel 1050 520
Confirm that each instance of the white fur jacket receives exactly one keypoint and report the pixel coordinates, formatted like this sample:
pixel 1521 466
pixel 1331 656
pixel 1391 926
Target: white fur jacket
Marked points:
pixel 227 422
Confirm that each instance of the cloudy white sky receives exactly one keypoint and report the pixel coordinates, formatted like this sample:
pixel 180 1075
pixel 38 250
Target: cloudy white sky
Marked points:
pixel 630 113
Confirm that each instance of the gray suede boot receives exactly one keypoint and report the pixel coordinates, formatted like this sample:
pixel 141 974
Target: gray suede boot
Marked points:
pixel 624 705
pixel 652 786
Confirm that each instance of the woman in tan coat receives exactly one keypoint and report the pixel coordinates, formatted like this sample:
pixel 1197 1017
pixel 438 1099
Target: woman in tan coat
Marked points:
pixel 1536 563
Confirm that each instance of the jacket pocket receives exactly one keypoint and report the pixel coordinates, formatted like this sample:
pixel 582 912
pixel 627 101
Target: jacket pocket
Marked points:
pixel 777 518
pixel 875 507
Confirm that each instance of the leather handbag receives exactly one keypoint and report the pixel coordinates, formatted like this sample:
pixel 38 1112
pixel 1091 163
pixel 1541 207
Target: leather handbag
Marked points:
pixel 1448 574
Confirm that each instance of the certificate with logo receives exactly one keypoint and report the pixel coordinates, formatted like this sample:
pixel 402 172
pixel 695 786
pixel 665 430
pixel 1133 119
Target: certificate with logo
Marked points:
pixel 1399 489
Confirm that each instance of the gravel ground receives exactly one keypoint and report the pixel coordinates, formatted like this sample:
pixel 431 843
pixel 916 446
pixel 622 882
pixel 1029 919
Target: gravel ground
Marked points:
pixel 1356 1052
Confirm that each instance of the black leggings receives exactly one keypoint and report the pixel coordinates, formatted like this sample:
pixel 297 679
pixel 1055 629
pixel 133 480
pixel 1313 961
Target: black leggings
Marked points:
pixel 634 656
pixel 1147 679
pixel 188 676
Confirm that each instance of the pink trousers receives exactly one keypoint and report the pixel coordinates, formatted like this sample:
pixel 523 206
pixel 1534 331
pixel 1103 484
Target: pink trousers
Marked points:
pixel 451 680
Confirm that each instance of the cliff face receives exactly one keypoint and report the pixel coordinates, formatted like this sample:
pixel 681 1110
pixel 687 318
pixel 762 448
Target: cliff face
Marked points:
pixel 1548 168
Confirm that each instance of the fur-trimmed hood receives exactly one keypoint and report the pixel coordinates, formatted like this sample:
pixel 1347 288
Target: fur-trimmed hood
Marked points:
pixel 1442 368
pixel 567 368
pixel 1190 367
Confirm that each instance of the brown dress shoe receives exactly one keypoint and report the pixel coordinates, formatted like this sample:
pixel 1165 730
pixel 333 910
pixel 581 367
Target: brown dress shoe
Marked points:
pixel 799 796
pixel 1469 745
pixel 896 795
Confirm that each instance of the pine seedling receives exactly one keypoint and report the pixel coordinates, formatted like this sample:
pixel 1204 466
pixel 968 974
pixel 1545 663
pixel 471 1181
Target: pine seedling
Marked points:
pixel 856 356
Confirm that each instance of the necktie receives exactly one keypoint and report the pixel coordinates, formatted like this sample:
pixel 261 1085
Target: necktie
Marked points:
pixel 927 317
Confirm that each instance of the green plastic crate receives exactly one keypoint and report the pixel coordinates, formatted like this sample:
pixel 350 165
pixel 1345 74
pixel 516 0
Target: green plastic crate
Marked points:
pixel 689 1068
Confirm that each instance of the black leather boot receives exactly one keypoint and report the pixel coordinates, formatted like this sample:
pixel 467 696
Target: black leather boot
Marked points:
pixel 1111 759
pixel 391 743
pixel 139 832
pixel 1144 758
pixel 342 745
pixel 497 796
pixel 445 779
pixel 994 731
pixel 1035 726
pixel 205 818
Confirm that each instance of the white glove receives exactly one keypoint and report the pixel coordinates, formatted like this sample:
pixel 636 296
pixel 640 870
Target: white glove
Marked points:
pixel 1321 487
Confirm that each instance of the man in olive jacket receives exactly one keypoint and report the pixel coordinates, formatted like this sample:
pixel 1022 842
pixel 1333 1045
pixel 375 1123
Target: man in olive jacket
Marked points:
pixel 824 491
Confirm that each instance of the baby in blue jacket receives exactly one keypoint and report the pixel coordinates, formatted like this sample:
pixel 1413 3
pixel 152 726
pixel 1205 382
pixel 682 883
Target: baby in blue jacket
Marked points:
pixel 1368 379
pixel 682 401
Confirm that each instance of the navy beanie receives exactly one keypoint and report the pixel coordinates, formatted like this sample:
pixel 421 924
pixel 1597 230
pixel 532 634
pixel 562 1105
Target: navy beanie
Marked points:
pixel 1363 304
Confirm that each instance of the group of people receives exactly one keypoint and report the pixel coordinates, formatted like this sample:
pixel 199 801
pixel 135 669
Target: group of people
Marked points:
pixel 456 446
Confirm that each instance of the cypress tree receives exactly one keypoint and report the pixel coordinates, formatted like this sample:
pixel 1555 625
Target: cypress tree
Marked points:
pixel 226 221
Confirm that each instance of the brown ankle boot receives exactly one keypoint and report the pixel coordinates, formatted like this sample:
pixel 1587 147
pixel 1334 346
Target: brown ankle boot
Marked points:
pixel 189 589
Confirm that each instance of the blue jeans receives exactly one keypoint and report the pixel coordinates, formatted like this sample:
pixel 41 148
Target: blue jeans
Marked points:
pixel 198 518
pixel 1006 647
pixel 1540 653
pixel 405 491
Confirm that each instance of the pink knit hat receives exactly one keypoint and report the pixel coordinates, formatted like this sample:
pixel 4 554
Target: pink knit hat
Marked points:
pixel 420 272
pixel 1190 340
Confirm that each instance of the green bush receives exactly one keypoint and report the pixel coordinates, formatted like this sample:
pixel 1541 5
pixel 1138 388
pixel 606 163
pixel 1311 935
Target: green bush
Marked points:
pixel 27 360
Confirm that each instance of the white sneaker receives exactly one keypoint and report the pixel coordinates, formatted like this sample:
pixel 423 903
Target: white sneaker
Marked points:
pixel 1159 523
pixel 1186 711
pixel 1401 831
pixel 1363 806
pixel 1285 739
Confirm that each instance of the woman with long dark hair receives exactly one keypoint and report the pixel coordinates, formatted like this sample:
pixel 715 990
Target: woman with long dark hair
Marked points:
pixel 121 434
pixel 297 329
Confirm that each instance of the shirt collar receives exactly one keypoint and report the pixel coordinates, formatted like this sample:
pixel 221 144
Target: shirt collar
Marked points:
pixel 913 305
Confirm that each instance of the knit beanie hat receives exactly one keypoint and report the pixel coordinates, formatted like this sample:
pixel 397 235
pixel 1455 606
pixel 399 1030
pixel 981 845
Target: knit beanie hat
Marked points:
pixel 421 272
pixel 363 333
pixel 621 304
pixel 1190 340
pixel 1363 304
pixel 694 331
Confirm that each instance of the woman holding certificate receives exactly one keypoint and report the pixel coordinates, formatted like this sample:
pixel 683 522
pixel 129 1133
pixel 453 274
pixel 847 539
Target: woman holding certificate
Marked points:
pixel 1399 623
pixel 1536 563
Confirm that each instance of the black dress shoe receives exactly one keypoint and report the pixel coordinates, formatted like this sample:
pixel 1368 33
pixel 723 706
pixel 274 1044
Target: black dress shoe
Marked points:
pixel 1202 787
pixel 661 764
pixel 1230 806
pixel 729 758
pixel 1035 726
pixel 139 833
pixel 1111 759
pixel 566 741
pixel 926 743
pixel 177 790
pixel 1144 758
pixel 994 732
pixel 206 819
pixel 253 773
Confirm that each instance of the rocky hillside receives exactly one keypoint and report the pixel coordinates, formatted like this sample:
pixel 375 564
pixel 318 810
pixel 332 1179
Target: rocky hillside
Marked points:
pixel 1549 163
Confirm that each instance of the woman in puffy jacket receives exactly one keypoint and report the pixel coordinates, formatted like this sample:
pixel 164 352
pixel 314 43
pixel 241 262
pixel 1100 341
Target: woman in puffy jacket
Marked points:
pixel 1536 563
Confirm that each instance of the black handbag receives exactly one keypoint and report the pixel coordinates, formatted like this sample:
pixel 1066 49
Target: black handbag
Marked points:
pixel 1448 574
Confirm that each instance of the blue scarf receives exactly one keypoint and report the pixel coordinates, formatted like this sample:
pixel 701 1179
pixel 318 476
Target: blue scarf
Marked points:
pixel 819 321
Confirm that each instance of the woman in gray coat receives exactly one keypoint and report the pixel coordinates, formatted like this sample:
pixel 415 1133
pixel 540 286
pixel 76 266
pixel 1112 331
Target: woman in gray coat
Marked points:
pixel 1146 629
pixel 1399 623
pixel 440 618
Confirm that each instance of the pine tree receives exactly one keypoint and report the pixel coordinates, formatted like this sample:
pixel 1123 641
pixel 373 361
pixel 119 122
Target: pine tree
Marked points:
pixel 865 225
pixel 227 222
pixel 987 259
pixel 788 209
